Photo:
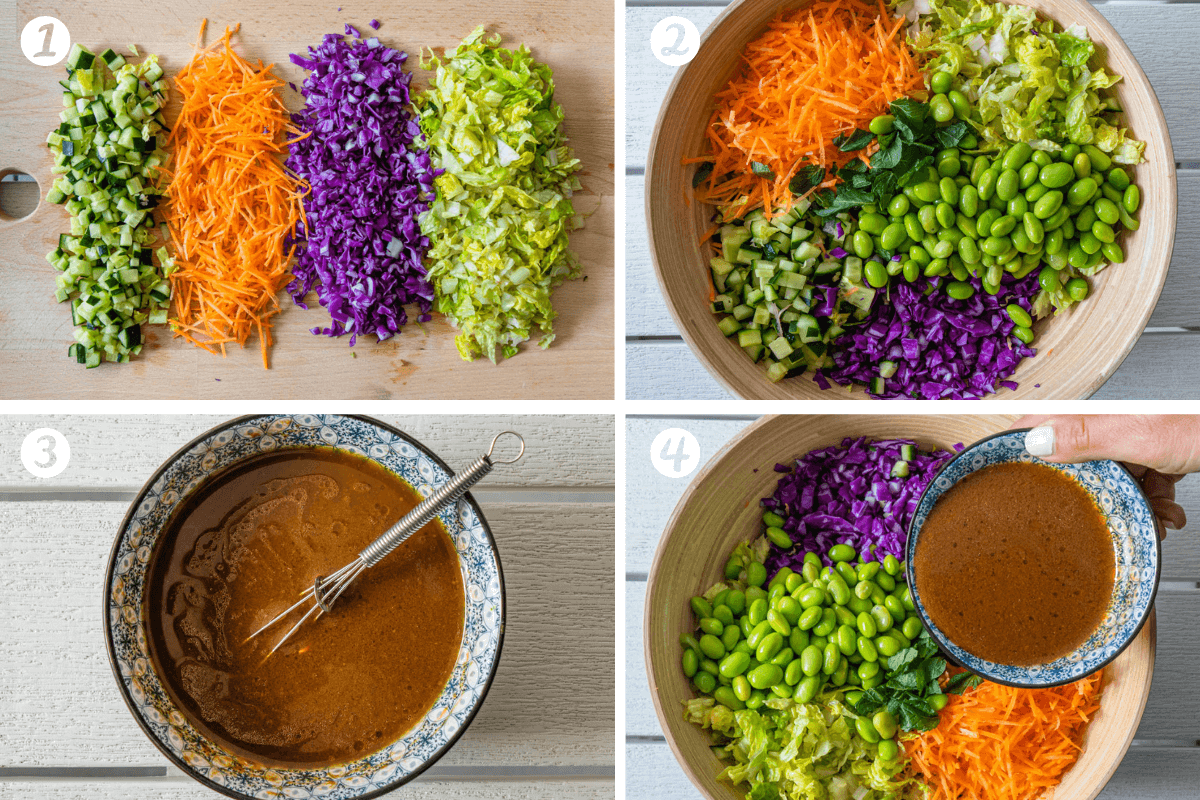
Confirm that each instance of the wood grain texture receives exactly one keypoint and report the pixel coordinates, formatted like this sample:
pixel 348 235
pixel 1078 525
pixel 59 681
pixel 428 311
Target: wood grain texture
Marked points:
pixel 1157 774
pixel 123 451
pixel 720 506
pixel 1161 36
pixel 551 703
pixel 421 788
pixel 420 362
pixel 650 497
pixel 1078 350
pixel 646 313
pixel 1161 366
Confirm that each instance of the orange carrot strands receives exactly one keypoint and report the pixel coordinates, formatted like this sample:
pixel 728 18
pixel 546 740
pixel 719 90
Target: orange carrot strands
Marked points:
pixel 1000 743
pixel 816 73
pixel 231 202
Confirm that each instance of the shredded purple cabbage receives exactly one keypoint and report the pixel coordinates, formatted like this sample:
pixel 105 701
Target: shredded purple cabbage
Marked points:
pixel 943 348
pixel 370 180
pixel 845 494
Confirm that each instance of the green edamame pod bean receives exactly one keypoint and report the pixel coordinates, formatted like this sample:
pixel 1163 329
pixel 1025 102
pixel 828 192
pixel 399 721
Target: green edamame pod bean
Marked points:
pixel 841 553
pixel 926 191
pixel 866 625
pixel 764 676
pixel 876 274
pixel 885 581
pixel 844 615
pixel 1132 199
pixel 1036 192
pixel 783 657
pixel 1017 206
pixel 1033 227
pixel 724 614
pixel 864 247
pixel 888 750
pixel 893 605
pixel 940 108
pixel 882 125
pixel 968 200
pixel 711 646
pixel 757 699
pixel 960 290
pixel 704 682
pixel 948 190
pixel 1056 175
pixel 1089 243
pixel 1128 220
pixel 754 592
pixel 884 723
pixel 701 607
pixel 874 225
pixel 827 624
pixel 730 636
pixel 1016 156
pixel 960 104
pixel 847 639
pixel 983 224
pixel 927 216
pixel 1082 191
pixel 779 536
pixel 776 591
pixel 893 236
pixel 1111 193
pixel 1003 226
pixel 1041 158
pixel 940 81
pixel 689 641
pixel 968 251
pixel 691 662
pixel 779 622
pixel 867 570
pixel 756 574
pixel 1076 257
pixel 1008 184
pixel 846 571
pixel 912 627
pixel 1028 175
pixel 831 658
pixel 1053 242
pixel 734 664
pixel 838 590
pixel 725 696
pixel 758 611
pixel 819 642
pixel 944 214
pixel 949 167
pixel 911 270
pixel 809 618
pixel 1023 334
pixel 987 184
pixel 736 600
pixel 996 245
pixel 732 569
pixel 809 572
pixel 807 689
pixel 891 565
pixel 1118 178
pixel 981 165
pixel 1106 211
pixel 842 674
pixel 772 520
pixel 793 673
pixel 1103 232
pixel 791 610
pixel 711 625
pixel 898 206
pixel 863 589
pixel 1082 165
pixel 1047 204
pixel 810 659
pixel 887 646
pixel 1078 289
pixel 1018 315
pixel 798 640
pixel 938 701
pixel 770 644
pixel 1068 152
pixel 1100 160
pixel 868 670
pixel 742 688
pixel 883 618
pixel 812 596
pixel 858 606
pixel 866 649
pixel 866 730
pixel 1113 252
pixel 759 632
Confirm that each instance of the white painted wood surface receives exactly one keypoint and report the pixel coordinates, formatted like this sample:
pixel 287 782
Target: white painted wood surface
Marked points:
pixel 545 730
pixel 1163 764
pixel 1162 36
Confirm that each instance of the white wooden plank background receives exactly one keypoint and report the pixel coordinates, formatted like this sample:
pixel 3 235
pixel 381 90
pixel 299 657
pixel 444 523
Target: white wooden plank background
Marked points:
pixel 1164 762
pixel 1163 37
pixel 546 729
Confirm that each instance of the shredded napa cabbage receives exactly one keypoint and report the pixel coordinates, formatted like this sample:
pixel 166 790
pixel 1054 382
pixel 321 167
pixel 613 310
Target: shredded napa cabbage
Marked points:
pixel 800 751
pixel 500 222
pixel 1029 82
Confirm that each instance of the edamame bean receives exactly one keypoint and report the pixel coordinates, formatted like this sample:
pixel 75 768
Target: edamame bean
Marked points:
pixel 689 641
pixel 887 646
pixel 1103 232
pixel 864 247
pixel 1007 185
pixel 883 618
pixel 691 662
pixel 736 600
pixel 940 81
pixel 701 607
pixel 1113 252
pixel 1047 204
pixel 1100 160
pixel 779 536
pixel 867 570
pixel 866 730
pixel 1017 206
pixel 827 624
pixel 884 723
pixel 831 658
pixel 968 200
pixel 960 290
pixel 730 636
pixel 734 664
pixel 960 104
pixel 885 581
pixel 1056 175
pixel 1132 199
pixel 893 235
pixel 1018 315
pixel 704 682
pixel 1029 175
pixel 811 597
pixel 724 614
pixel 841 553
pixel 838 590
pixel 927 216
pixel 1082 165
pixel 1078 289
pixel 779 622
pixel 711 646
pixel 760 632
pixel 809 618
pixel 1003 226
pixel 882 125
pixel 725 696
pixel 894 607
pixel 1118 178
pixel 987 184
pixel 876 274
pixel 758 611
pixel 791 610
pixel 847 640
pixel 783 657
pixel 938 701
pixel 742 688
pixel 756 574
pixel 1016 156
pixel 866 625
pixel 793 673
pixel 898 207
pixel 912 627
pixel 940 108
pixel 888 750
pixel 807 689
pixel 1106 210
pixel 711 625
pixel 1041 158
pixel 810 659
pixel 847 572
pixel 765 676
pixel 798 640
pixel 1023 334
pixel 1033 227
pixel 768 646
pixel 1089 243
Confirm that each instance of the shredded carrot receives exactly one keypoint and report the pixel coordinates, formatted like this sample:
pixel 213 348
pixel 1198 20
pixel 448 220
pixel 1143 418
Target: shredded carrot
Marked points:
pixel 1000 743
pixel 231 201
pixel 818 71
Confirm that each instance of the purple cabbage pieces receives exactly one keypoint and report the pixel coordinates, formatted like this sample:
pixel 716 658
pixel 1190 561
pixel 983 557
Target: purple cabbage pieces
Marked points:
pixel 845 494
pixel 370 179
pixel 942 348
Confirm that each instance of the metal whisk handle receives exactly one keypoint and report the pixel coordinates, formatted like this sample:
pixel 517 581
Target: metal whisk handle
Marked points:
pixel 446 494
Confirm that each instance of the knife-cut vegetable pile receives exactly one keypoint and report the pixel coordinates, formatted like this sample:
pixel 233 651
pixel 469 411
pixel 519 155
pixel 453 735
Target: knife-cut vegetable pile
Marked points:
pixel 900 195
pixel 503 210
pixel 459 199
pixel 231 203
pixel 816 677
pixel 370 180
pixel 107 158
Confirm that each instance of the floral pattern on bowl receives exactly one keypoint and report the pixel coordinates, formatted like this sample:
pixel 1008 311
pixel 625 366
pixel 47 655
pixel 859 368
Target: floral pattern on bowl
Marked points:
pixel 1135 541
pixel 483 633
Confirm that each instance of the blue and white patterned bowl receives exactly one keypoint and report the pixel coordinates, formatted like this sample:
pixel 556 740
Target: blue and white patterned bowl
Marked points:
pixel 169 729
pixel 1135 541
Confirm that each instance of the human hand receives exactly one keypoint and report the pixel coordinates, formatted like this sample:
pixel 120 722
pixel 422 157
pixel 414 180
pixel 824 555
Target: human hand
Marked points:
pixel 1157 450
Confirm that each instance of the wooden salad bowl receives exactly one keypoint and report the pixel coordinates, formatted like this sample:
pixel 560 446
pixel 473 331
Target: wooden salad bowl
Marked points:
pixel 1077 350
pixel 720 508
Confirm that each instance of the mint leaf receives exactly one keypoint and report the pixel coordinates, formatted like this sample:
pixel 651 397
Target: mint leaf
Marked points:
pixel 762 170
pixel 855 141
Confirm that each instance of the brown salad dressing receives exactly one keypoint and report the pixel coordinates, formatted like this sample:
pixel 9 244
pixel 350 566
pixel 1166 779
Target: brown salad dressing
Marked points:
pixel 1015 564
pixel 242 549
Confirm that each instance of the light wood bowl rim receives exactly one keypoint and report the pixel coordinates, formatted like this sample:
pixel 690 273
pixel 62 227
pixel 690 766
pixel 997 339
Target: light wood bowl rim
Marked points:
pixel 1148 634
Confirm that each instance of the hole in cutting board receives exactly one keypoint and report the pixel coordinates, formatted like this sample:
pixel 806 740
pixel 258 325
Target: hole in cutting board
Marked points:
pixel 19 194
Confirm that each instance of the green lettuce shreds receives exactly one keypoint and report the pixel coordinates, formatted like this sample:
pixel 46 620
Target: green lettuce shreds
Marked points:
pixel 1030 81
pixel 800 751
pixel 499 225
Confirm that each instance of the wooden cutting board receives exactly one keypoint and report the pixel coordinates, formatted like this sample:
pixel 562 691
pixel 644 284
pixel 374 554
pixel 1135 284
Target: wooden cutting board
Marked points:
pixel 575 37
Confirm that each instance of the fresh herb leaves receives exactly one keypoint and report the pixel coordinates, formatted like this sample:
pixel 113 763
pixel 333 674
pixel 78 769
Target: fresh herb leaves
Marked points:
pixel 806 178
pixel 762 170
pixel 702 174
pixel 903 157
pixel 912 678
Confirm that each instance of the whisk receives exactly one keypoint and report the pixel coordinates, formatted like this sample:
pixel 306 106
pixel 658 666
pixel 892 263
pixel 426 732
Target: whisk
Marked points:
pixel 326 589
